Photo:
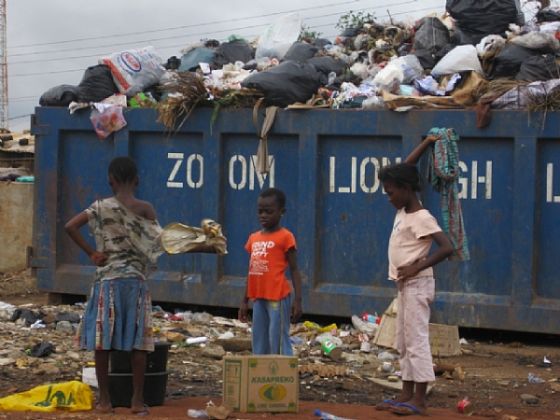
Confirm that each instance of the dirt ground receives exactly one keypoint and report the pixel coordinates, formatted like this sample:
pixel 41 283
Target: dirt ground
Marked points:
pixel 496 366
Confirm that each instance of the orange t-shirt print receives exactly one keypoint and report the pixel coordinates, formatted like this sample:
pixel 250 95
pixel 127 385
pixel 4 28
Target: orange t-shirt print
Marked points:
pixel 268 263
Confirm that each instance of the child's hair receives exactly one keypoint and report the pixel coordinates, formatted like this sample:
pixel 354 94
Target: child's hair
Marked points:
pixel 123 169
pixel 401 174
pixel 277 194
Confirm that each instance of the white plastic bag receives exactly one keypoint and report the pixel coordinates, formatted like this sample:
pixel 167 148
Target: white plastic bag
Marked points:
pixel 461 58
pixel 135 70
pixel 279 37
pixel 489 46
pixel 390 78
pixel 537 41
pixel 411 67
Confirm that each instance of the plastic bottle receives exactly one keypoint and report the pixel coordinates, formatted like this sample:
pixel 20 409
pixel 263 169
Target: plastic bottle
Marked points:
pixel 328 416
pixel 196 340
pixel 197 414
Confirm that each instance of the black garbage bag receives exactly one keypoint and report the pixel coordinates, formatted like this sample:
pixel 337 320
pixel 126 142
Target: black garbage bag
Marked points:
pixel 28 315
pixel 508 62
pixel 42 349
pixel 321 42
pixel 350 32
pixel 286 83
pixel 431 42
pixel 230 52
pixel 60 95
pixel 97 84
pixel 327 64
pixel 539 68
pixel 478 18
pixel 301 51
pixel 173 63
pixel 548 15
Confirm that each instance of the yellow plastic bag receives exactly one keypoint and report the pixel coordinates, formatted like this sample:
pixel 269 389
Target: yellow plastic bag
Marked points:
pixel 71 396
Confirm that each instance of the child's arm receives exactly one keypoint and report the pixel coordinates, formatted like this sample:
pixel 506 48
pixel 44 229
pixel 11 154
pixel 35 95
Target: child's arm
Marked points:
pixel 413 157
pixel 445 249
pixel 243 313
pixel 296 280
pixel 73 229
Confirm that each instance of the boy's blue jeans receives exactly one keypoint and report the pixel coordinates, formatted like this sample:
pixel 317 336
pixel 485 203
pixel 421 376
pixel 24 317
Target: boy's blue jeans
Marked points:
pixel 271 326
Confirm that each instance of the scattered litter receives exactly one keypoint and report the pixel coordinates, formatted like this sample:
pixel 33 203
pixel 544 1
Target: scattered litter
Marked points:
pixel 328 416
pixel 533 379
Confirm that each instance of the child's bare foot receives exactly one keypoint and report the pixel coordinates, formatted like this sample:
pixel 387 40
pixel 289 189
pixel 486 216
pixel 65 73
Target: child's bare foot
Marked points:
pixel 104 408
pixel 140 410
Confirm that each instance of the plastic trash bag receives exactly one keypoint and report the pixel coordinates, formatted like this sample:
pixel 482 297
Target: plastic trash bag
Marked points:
pixel 286 83
pixel 521 96
pixel 389 78
pixel 179 238
pixel 530 10
pixel 542 41
pixel 431 42
pixel 489 46
pixel 327 65
pixel 97 84
pixel 478 18
pixel 548 14
pixel 135 70
pixel 60 95
pixel 461 58
pixel 539 68
pixel 508 62
pixel 301 51
pixel 71 396
pixel 411 67
pixel 279 37
pixel 231 52
pixel 107 119
pixel 191 60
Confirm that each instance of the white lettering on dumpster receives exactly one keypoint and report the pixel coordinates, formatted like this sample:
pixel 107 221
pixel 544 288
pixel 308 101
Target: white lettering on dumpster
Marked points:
pixel 192 160
pixel 242 173
pixel 474 180
pixel 363 176
pixel 367 174
pixel 550 197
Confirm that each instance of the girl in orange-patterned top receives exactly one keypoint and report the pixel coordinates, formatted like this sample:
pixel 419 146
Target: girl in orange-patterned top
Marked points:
pixel 272 250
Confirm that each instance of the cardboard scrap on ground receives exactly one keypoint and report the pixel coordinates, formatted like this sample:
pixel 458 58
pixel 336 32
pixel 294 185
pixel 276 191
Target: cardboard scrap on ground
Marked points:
pixel 444 339
pixel 324 371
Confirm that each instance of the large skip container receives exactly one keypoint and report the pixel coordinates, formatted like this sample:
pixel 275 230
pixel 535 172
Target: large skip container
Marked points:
pixel 327 162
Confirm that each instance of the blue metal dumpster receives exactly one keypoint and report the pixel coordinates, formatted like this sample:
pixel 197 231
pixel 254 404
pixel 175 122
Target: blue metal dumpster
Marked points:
pixel 327 162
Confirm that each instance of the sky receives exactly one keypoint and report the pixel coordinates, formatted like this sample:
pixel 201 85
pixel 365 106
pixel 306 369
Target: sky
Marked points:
pixel 52 42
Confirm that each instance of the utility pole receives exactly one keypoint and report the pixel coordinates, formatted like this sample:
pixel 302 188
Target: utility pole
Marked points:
pixel 3 67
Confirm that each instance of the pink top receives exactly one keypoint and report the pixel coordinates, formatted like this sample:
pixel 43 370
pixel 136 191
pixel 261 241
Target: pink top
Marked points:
pixel 411 240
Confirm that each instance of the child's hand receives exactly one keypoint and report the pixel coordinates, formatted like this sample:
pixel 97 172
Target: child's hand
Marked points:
pixel 408 271
pixel 98 258
pixel 432 138
pixel 243 313
pixel 296 311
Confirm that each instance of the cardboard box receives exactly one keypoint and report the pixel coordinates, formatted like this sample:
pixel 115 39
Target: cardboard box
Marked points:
pixel 444 339
pixel 261 383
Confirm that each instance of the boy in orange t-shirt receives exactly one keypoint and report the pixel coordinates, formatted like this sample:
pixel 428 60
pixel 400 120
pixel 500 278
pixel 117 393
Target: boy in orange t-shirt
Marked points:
pixel 272 250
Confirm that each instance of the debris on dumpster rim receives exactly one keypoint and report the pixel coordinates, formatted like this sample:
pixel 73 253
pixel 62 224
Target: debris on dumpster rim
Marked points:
pixel 371 64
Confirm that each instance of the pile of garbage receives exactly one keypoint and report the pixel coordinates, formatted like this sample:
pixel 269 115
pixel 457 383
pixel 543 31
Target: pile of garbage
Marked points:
pixel 17 152
pixel 40 339
pixel 484 53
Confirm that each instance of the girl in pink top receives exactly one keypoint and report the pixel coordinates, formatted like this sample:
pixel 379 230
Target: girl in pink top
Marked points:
pixel 410 266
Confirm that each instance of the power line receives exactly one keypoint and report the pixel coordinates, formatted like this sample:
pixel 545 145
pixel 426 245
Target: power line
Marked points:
pixel 188 26
pixel 195 34
pixel 179 45
pixel 19 117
